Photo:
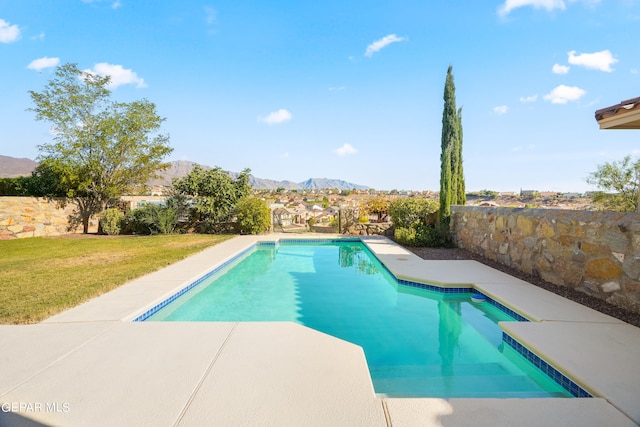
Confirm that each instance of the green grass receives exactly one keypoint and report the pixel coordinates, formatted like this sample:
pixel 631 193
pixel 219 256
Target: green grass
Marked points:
pixel 40 277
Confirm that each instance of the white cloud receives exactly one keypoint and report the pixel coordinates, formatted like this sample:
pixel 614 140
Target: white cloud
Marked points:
pixel 500 110
pixel 519 148
pixel 114 5
pixel 563 94
pixel 276 117
pixel 597 61
pixel 634 71
pixel 38 36
pixel 42 63
pixel 210 15
pixel 382 43
pixel 345 149
pixel 119 75
pixel 560 69
pixel 532 98
pixel 8 33
pixel 548 5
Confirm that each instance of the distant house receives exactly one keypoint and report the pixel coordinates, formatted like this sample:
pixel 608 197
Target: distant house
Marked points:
pixel 548 194
pixel 572 195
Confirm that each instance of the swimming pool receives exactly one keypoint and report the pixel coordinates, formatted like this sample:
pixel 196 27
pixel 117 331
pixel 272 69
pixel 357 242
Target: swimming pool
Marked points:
pixel 418 342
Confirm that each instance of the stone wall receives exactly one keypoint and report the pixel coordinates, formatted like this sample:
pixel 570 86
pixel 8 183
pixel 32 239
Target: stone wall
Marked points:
pixel 31 217
pixel 595 252
pixel 370 229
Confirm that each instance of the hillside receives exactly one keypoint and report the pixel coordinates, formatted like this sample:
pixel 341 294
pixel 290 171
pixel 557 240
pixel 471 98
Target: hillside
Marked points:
pixel 11 167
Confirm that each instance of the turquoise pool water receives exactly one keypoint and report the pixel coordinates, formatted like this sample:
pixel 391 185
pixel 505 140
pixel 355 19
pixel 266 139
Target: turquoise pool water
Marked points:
pixel 418 343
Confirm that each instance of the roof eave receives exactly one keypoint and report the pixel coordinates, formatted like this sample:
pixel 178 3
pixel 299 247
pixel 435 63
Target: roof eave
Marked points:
pixel 621 119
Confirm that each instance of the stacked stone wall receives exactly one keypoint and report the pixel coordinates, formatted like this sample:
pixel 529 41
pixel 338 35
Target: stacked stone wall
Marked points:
pixel 370 229
pixel 32 217
pixel 594 252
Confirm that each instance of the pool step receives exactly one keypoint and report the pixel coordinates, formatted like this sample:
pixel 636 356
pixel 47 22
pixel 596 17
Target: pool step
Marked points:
pixel 490 380
pixel 409 371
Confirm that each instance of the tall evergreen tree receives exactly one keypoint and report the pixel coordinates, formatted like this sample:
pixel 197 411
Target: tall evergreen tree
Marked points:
pixel 461 192
pixel 452 186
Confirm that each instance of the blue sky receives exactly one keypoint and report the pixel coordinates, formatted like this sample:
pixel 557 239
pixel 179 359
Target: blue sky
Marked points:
pixel 346 89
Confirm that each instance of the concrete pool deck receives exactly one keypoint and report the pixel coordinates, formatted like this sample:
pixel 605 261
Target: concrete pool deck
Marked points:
pixel 91 365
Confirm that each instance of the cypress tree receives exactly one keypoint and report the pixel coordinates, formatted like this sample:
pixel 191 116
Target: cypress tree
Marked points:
pixel 461 191
pixel 448 146
pixel 452 186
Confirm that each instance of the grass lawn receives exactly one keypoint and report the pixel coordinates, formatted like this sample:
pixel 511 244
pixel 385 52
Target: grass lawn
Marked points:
pixel 40 277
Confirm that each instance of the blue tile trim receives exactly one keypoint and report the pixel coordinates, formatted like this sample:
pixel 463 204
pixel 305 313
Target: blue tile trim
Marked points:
pixel 551 372
pixel 434 287
pixel 519 317
pixel 153 310
pixel 429 287
pixel 316 241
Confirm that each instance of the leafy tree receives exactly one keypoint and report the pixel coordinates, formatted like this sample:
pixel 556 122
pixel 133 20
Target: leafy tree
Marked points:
pixel 101 148
pixel 44 181
pixel 452 186
pixel 12 186
pixel 215 194
pixel 620 182
pixel 253 215
pixel 377 205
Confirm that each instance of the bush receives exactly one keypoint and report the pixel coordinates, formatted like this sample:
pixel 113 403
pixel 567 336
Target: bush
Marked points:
pixel 253 216
pixel 11 186
pixel 152 219
pixel 411 212
pixel 363 219
pixel 416 224
pixel 421 235
pixel 111 221
pixel 405 236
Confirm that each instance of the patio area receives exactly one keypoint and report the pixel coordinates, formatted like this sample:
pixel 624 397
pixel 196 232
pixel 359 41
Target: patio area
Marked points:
pixel 92 365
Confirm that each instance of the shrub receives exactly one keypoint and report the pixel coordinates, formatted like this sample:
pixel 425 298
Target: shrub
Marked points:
pixel 405 236
pixel 421 235
pixel 152 219
pixel 411 212
pixel 363 219
pixel 111 221
pixel 253 215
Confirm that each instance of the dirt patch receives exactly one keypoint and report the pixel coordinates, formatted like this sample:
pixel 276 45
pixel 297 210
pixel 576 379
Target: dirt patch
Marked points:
pixel 577 296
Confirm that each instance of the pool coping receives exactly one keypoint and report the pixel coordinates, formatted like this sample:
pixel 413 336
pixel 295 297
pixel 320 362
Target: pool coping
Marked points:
pixel 564 380
pixel 615 378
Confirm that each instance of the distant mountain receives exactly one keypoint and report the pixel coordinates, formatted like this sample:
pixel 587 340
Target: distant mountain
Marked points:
pixel 11 167
pixel 178 169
